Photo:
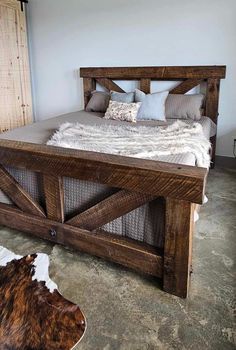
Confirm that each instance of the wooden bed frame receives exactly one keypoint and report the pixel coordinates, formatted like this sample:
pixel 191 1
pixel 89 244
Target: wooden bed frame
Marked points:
pixel 137 181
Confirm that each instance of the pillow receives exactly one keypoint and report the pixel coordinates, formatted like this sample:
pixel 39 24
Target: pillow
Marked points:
pixel 180 106
pixel 126 97
pixel 98 102
pixel 153 105
pixel 122 111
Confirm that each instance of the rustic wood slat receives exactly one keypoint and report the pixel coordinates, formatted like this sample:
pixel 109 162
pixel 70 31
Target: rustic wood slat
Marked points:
pixel 54 196
pixel 137 175
pixel 158 73
pixel 138 256
pixel 109 84
pixel 185 86
pixel 212 102
pixel 18 195
pixel 118 204
pixel 15 87
pixel 89 86
pixel 145 85
pixel 177 247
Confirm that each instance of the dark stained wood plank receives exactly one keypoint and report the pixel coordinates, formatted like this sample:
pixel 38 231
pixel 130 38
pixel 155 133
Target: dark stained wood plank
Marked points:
pixel 177 247
pixel 185 86
pixel 54 196
pixel 145 85
pixel 118 204
pixel 18 195
pixel 212 103
pixel 158 73
pixel 137 175
pixel 89 86
pixel 212 98
pixel 138 256
pixel 31 316
pixel 109 84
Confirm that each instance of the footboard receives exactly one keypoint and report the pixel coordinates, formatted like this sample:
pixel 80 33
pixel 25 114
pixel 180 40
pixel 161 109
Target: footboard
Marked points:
pixel 137 181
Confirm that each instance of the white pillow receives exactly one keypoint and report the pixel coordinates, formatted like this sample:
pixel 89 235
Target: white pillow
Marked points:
pixel 153 105
pixel 122 111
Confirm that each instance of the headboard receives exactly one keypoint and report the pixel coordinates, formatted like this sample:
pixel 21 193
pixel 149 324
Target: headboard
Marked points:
pixel 189 77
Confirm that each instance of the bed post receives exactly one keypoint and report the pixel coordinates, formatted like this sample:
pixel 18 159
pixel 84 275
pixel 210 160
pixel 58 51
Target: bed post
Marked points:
pixel 177 246
pixel 212 103
pixel 89 86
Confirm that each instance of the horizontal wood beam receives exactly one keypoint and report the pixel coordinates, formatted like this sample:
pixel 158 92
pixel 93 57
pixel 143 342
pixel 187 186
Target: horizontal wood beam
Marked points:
pixel 109 84
pixel 137 175
pixel 109 209
pixel 18 195
pixel 158 73
pixel 185 86
pixel 138 256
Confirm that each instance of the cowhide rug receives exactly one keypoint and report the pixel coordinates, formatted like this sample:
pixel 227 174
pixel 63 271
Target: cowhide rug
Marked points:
pixel 33 314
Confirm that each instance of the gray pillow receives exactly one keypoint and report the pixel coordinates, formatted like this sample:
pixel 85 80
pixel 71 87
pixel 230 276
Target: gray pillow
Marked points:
pixel 125 97
pixel 98 102
pixel 153 105
pixel 180 106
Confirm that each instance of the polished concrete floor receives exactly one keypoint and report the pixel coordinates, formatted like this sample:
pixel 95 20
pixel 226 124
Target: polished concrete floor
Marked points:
pixel 129 312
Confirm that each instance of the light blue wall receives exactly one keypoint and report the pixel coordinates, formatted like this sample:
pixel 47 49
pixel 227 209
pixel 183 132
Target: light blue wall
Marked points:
pixel 67 34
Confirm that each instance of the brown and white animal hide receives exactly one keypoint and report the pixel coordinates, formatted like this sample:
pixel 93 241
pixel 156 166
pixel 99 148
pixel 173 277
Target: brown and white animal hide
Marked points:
pixel 33 314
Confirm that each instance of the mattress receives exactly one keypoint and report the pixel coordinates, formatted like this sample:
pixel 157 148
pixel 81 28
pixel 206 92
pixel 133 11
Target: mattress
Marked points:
pixel 144 224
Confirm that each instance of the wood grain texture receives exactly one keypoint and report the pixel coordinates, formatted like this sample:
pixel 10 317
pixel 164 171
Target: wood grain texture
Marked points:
pixel 116 205
pixel 54 196
pixel 145 85
pixel 89 86
pixel 109 84
pixel 212 98
pixel 18 195
pixel 137 175
pixel 32 317
pixel 177 247
pixel 212 102
pixel 127 252
pixel 185 86
pixel 15 88
pixel 155 73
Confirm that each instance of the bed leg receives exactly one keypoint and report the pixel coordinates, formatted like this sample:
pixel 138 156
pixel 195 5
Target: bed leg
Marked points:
pixel 178 246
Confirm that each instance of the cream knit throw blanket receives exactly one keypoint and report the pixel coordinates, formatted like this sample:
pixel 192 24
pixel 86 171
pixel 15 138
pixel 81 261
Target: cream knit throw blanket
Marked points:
pixel 146 142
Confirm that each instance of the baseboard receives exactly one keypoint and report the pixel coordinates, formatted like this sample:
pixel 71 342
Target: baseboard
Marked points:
pixel 226 162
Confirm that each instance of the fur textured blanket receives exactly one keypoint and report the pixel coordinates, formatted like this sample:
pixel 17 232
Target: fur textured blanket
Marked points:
pixel 148 142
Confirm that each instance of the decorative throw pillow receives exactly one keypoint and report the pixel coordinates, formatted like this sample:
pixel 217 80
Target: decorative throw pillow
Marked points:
pixel 98 102
pixel 126 97
pixel 122 111
pixel 153 105
pixel 180 106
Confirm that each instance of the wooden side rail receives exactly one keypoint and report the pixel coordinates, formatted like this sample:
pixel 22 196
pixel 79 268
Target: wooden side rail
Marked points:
pixel 137 181
pixel 138 256
pixel 138 175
